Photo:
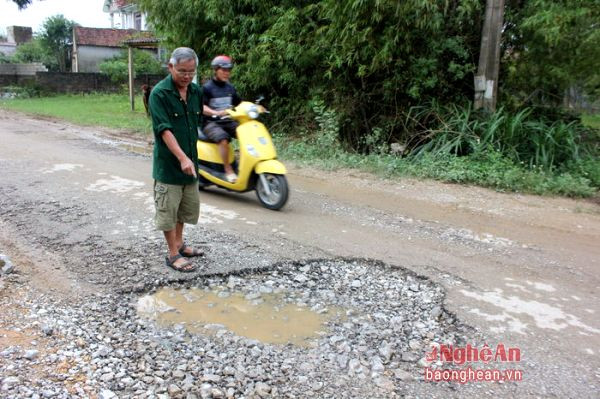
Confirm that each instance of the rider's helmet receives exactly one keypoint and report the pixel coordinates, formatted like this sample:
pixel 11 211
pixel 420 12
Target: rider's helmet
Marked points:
pixel 222 61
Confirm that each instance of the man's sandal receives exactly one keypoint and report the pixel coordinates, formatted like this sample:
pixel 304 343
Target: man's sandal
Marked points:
pixel 193 251
pixel 185 267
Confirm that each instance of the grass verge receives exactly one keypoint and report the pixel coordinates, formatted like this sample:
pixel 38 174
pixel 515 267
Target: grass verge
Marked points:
pixel 487 169
pixel 96 109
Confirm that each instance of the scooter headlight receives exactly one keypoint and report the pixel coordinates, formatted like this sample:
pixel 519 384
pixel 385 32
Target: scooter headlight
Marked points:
pixel 253 112
pixel 252 151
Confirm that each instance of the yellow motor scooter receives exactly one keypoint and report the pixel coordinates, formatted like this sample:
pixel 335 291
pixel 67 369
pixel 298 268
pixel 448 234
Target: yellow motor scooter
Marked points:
pixel 257 167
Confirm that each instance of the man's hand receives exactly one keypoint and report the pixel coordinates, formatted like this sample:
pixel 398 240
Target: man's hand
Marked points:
pixel 187 167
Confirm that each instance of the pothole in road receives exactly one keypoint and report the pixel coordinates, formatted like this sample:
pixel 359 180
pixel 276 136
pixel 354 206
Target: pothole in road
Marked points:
pixel 375 322
pixel 363 316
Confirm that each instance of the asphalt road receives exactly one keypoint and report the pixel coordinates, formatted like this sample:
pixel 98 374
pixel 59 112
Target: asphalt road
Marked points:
pixel 521 270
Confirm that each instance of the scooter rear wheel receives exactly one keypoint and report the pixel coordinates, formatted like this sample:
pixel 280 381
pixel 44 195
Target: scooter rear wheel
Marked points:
pixel 275 195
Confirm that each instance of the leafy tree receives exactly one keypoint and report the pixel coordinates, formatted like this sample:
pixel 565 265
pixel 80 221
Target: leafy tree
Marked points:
pixel 56 38
pixel 368 59
pixel 34 51
pixel 143 62
pixel 22 3
pixel 550 46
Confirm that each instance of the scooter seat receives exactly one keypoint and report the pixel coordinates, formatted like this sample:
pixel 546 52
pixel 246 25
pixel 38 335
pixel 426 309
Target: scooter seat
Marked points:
pixel 202 136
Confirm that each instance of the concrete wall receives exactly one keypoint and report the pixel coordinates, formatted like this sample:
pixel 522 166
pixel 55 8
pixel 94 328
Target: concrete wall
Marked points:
pixel 8 48
pixel 22 69
pixel 90 57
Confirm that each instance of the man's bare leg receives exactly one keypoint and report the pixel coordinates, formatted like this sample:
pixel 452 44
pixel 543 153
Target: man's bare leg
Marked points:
pixel 224 152
pixel 174 242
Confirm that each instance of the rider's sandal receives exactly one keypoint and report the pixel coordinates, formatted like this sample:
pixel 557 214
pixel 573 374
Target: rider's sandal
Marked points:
pixel 231 177
pixel 185 267
pixel 194 251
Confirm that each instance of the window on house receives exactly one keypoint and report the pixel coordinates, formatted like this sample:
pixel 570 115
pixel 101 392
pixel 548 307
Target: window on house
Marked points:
pixel 137 23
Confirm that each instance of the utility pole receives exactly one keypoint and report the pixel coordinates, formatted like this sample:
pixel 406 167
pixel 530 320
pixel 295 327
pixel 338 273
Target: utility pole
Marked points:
pixel 486 80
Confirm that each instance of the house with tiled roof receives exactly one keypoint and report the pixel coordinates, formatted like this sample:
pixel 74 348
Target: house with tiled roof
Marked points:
pixel 92 46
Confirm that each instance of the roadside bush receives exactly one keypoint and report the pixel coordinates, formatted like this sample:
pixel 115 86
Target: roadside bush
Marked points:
pixel 144 63
pixel 321 139
pixel 528 137
pixel 5 59
pixel 27 90
pixel 34 51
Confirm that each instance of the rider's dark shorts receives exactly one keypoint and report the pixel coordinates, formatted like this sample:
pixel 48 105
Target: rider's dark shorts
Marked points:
pixel 222 130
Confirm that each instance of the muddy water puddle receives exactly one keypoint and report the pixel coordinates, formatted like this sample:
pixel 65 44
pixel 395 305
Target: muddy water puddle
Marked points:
pixel 267 318
pixel 136 148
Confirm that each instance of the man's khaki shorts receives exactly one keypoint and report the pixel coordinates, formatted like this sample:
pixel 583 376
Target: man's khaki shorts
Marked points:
pixel 174 203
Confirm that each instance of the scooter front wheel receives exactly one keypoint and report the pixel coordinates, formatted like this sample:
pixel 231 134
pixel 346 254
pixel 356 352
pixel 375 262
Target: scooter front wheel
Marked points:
pixel 272 190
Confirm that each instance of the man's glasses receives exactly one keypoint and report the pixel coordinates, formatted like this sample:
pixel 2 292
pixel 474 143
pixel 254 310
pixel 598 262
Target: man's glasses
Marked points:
pixel 185 73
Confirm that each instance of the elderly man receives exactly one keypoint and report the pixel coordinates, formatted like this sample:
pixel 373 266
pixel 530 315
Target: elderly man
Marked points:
pixel 176 108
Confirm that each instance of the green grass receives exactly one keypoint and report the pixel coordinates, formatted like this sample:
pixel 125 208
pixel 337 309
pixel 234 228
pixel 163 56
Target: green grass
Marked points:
pixel 107 110
pixel 486 169
pixel 592 121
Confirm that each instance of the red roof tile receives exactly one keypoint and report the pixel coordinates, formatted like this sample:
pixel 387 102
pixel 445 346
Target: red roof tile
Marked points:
pixel 106 37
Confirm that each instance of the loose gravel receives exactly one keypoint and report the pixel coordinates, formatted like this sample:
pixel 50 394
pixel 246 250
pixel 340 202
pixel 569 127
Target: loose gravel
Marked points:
pixel 102 346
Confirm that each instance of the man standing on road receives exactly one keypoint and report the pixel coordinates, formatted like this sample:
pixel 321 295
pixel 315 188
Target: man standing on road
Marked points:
pixel 176 108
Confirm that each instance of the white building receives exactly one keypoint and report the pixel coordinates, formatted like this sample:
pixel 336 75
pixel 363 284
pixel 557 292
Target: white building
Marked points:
pixel 125 15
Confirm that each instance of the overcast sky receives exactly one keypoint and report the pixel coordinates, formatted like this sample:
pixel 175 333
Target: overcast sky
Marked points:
pixel 85 12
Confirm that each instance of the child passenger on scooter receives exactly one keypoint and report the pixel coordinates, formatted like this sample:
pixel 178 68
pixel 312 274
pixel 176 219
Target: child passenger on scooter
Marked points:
pixel 219 96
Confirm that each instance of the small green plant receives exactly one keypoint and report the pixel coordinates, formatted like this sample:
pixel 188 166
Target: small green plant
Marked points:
pixel 5 59
pixel 327 136
pixel 376 142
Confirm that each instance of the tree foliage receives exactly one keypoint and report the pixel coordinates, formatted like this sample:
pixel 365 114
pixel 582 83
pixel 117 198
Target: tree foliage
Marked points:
pixel 34 51
pixel 370 61
pixel 22 3
pixel 143 63
pixel 52 46
pixel 56 38
pixel 551 46
pixel 5 59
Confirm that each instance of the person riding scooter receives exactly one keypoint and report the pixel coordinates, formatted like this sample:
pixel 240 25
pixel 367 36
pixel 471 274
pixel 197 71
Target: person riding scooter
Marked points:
pixel 256 163
pixel 219 96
